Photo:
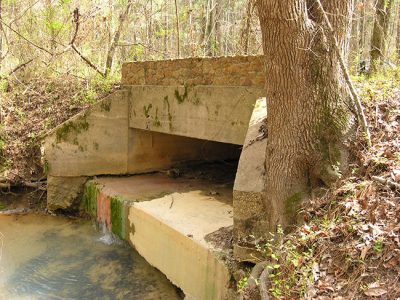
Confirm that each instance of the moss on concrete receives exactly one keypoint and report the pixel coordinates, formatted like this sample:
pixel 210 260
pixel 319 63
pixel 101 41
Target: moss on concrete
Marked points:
pixel 89 201
pixel 105 105
pixel 117 216
pixel 75 126
pixel 181 98
pixel 292 204
pixel 146 110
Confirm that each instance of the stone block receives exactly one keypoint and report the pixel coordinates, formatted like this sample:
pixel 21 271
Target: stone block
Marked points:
pixel 64 193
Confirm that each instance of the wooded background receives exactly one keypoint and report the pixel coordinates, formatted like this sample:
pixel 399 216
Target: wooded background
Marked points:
pixel 87 37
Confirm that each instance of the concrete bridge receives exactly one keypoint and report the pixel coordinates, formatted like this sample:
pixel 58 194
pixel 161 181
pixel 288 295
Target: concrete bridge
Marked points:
pixel 167 114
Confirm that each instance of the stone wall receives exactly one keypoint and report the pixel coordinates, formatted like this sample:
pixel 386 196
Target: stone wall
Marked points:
pixel 225 71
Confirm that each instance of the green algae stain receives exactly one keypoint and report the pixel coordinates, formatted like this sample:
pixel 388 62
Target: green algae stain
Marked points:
pixel 117 216
pixel 181 98
pixel 166 102
pixel 292 204
pixel 146 110
pixel 156 122
pixel 89 201
pixel 70 127
pixel 105 105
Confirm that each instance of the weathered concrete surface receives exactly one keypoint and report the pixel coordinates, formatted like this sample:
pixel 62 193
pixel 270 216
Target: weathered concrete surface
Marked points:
pixel 93 142
pixel 167 221
pixel 250 214
pixel 214 113
pixel 149 151
pixel 64 192
pixel 169 233
pixel 233 71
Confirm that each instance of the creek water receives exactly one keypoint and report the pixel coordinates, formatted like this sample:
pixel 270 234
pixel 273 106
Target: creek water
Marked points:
pixel 44 257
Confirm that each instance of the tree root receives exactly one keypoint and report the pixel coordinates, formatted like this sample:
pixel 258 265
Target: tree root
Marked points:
pixel 258 280
pixel 387 182
pixel 40 185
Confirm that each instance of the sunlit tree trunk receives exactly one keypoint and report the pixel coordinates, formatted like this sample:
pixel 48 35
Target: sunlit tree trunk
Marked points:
pixel 379 34
pixel 307 99
pixel 111 50
pixel 398 35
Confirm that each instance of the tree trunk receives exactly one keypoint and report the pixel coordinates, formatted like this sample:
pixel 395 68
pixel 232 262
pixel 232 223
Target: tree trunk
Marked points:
pixel 111 50
pixel 247 27
pixel 398 35
pixel 307 99
pixel 379 34
pixel 178 45
pixel 361 42
pixel 1 35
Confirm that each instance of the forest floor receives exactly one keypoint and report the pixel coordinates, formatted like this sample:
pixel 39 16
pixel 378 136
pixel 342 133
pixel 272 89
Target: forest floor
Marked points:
pixel 28 110
pixel 349 245
pixel 31 108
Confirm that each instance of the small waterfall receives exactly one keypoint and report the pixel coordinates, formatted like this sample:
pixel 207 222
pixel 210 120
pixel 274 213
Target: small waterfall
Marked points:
pixel 107 237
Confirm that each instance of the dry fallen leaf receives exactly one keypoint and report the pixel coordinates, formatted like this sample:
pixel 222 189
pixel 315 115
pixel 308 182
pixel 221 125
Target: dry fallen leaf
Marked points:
pixel 375 292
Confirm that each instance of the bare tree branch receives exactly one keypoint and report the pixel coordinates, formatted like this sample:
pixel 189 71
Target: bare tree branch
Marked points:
pixel 25 39
pixel 84 58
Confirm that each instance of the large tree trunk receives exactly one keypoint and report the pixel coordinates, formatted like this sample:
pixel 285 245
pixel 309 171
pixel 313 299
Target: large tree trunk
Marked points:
pixel 379 34
pixel 307 101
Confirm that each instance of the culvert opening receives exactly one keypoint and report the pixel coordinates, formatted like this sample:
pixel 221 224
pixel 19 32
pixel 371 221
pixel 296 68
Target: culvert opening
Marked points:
pixel 183 157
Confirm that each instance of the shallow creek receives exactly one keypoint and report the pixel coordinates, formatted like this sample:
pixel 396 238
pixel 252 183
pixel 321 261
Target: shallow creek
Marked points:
pixel 44 257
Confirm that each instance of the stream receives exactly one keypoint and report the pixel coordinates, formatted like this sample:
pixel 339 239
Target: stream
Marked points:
pixel 45 257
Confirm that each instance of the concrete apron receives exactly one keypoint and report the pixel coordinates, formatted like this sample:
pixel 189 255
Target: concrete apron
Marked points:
pixel 168 221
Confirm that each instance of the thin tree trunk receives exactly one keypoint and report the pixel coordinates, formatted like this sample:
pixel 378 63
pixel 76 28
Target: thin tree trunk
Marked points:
pixel 50 16
pixel 307 99
pixel 191 40
pixel 1 34
pixel 361 42
pixel 246 30
pixel 113 46
pixel 177 29
pixel 166 21
pixel 398 35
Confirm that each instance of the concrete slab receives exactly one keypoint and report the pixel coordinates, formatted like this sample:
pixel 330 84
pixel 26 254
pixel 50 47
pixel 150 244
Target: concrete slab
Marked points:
pixel 170 232
pixel 168 220
pixel 214 113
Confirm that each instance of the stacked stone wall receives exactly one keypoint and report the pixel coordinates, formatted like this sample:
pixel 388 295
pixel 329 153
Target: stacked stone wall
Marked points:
pixel 223 71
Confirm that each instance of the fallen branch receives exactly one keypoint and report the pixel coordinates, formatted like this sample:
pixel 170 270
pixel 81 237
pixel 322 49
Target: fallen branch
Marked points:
pixel 263 287
pixel 40 185
pixel 387 182
pixel 356 100
pixel 72 43
pixel 20 66
pixel 5 185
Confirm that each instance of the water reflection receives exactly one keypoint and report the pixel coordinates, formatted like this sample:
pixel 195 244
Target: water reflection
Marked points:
pixel 55 258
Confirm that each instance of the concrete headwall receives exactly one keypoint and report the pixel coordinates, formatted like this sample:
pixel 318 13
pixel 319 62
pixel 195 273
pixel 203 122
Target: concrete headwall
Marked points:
pixel 212 113
pixel 224 71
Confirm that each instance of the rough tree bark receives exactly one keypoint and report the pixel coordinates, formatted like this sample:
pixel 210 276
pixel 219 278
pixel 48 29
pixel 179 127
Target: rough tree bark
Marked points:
pixel 309 117
pixel 380 32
